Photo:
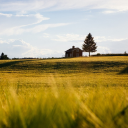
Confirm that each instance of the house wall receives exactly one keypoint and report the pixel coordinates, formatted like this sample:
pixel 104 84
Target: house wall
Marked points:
pixel 74 53
pixel 80 53
pixel 77 53
pixel 68 54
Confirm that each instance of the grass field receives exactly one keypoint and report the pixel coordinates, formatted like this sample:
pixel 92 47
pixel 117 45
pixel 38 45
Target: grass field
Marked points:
pixel 64 93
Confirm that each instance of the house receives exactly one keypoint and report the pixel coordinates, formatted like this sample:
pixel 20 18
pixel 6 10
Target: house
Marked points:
pixel 73 52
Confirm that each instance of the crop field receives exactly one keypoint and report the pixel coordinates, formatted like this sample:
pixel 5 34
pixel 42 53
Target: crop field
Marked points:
pixel 83 92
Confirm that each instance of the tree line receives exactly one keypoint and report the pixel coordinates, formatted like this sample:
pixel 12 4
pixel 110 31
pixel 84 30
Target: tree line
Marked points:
pixel 3 56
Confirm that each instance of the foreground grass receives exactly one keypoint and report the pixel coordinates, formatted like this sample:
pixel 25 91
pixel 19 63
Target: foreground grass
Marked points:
pixel 64 93
pixel 65 107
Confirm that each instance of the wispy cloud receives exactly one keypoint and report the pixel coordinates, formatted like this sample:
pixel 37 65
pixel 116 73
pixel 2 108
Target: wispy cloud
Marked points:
pixel 111 11
pixel 20 23
pixel 80 38
pixel 103 50
pixel 69 38
pixel 40 28
pixel 4 14
pixel 36 29
pixel 38 16
pixel 120 5
pixel 2 41
pixel 115 46
pixel 105 39
pixel 46 35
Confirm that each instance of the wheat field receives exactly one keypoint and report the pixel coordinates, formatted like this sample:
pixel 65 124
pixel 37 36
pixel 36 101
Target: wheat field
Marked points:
pixel 83 92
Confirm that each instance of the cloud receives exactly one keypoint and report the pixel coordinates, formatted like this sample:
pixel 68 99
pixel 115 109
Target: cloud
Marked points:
pixel 69 38
pixel 46 35
pixel 35 52
pixel 21 15
pixel 7 15
pixel 112 46
pixel 38 16
pixel 110 12
pixel 20 23
pixel 50 5
pixel 2 41
pixel 38 28
pixel 115 46
pixel 80 38
pixel 105 39
pixel 21 20
pixel 103 50
pixel 20 48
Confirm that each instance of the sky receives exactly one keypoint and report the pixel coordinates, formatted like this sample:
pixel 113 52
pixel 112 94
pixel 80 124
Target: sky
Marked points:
pixel 47 28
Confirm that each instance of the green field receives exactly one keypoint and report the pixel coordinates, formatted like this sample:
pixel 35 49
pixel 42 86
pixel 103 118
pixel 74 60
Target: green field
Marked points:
pixel 86 92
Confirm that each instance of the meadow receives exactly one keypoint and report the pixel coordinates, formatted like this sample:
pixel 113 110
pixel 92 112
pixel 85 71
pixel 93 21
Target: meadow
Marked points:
pixel 83 92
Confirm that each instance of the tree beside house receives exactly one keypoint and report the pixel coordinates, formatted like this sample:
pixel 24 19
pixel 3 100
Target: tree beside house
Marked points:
pixel 89 44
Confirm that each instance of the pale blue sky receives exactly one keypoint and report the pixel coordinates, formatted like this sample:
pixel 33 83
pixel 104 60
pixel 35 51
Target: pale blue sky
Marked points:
pixel 47 28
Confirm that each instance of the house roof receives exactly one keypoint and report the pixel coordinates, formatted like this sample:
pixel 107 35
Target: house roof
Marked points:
pixel 72 49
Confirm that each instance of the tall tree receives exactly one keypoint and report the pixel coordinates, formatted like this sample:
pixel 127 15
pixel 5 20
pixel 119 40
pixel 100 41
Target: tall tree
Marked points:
pixel 2 55
pixel 89 44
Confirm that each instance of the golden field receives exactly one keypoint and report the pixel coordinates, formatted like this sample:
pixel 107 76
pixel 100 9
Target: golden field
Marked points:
pixel 85 92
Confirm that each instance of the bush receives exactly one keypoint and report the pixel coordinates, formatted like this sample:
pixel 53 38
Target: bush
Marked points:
pixel 4 57
pixel 98 54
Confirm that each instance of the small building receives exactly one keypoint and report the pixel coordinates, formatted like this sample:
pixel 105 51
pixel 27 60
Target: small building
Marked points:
pixel 73 52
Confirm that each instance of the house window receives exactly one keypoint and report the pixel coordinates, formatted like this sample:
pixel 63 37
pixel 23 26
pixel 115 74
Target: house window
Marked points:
pixel 70 54
pixel 66 55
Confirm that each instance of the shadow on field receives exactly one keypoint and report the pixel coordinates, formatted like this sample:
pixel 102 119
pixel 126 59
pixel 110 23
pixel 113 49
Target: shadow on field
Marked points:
pixel 124 71
pixel 12 63
pixel 64 67
pixel 93 67
pixel 104 65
